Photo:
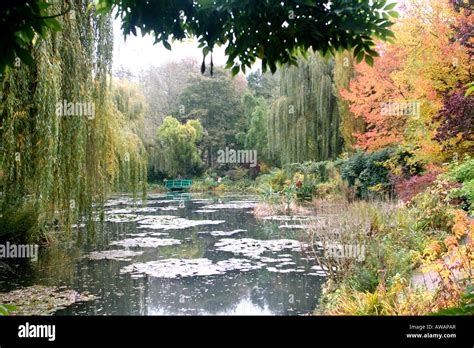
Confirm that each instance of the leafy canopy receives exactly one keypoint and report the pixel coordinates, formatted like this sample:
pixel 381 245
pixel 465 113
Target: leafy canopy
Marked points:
pixel 273 30
pixel 21 21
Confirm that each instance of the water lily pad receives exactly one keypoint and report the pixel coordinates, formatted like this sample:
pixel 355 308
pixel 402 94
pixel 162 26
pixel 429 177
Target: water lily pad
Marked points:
pixel 201 201
pixel 286 263
pixel 42 300
pixel 118 201
pixel 119 218
pixel 141 210
pixel 157 234
pixel 222 233
pixel 144 234
pixel 254 248
pixel 268 259
pixel 317 274
pixel 277 270
pixel 246 201
pixel 321 269
pixel 171 207
pixel 173 268
pixel 168 222
pixel 231 205
pixel 146 242
pixel 119 211
pixel 162 201
pixel 124 255
pixel 148 234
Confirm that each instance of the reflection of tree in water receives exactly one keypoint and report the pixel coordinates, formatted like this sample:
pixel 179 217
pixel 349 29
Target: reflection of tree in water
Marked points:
pixel 116 294
pixel 284 294
pixel 191 247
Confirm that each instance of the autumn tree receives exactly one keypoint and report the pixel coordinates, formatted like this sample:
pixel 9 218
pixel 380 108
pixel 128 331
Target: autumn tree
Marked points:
pixel 455 121
pixel 344 71
pixel 399 97
pixel 455 118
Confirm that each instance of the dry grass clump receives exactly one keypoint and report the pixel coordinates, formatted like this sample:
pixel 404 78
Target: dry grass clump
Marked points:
pixel 263 209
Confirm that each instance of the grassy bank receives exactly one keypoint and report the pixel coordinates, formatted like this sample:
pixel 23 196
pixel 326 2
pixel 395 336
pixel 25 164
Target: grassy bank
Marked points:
pixel 384 255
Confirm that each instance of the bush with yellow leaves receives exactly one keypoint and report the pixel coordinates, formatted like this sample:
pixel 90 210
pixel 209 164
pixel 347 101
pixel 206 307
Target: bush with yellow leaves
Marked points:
pixel 445 255
pixel 397 299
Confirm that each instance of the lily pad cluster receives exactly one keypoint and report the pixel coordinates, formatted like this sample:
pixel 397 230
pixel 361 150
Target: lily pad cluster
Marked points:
pixel 255 248
pixel 42 300
pixel 232 205
pixel 174 268
pixel 168 222
pixel 124 255
pixel 146 242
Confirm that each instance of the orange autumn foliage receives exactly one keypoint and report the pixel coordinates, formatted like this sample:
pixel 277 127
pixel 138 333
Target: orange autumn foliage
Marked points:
pixel 462 224
pixel 423 63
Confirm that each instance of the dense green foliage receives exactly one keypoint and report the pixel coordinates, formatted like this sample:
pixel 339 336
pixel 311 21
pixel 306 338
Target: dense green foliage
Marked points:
pixel 463 174
pixel 303 123
pixel 263 85
pixel 367 173
pixel 161 85
pixel 19 225
pixel 255 135
pixel 5 309
pixel 216 102
pixel 178 153
pixel 61 162
pixel 21 23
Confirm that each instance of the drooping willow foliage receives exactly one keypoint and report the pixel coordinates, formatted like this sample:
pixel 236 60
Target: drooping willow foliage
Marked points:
pixel 65 165
pixel 303 124
pixel 131 155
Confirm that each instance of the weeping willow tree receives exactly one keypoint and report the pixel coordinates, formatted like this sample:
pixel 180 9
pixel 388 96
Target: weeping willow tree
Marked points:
pixel 65 163
pixel 303 123
pixel 128 138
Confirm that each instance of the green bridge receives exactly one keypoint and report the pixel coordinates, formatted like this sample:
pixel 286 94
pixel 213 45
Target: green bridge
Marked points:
pixel 178 185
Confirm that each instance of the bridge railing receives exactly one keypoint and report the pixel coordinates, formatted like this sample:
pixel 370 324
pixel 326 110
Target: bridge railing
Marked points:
pixel 178 184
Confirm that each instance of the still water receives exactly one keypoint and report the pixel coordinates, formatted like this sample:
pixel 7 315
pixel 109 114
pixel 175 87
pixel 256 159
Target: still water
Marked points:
pixel 183 254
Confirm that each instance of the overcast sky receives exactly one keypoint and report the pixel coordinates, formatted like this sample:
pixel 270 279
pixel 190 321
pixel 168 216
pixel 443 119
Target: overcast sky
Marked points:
pixel 137 52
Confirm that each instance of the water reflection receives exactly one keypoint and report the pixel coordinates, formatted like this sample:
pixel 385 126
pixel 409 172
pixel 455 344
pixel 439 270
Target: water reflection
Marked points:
pixel 267 290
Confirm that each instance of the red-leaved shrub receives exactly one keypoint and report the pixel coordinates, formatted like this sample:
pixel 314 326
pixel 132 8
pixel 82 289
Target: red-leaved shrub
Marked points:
pixel 406 189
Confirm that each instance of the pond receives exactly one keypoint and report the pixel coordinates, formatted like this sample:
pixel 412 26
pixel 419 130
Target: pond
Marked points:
pixel 182 254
